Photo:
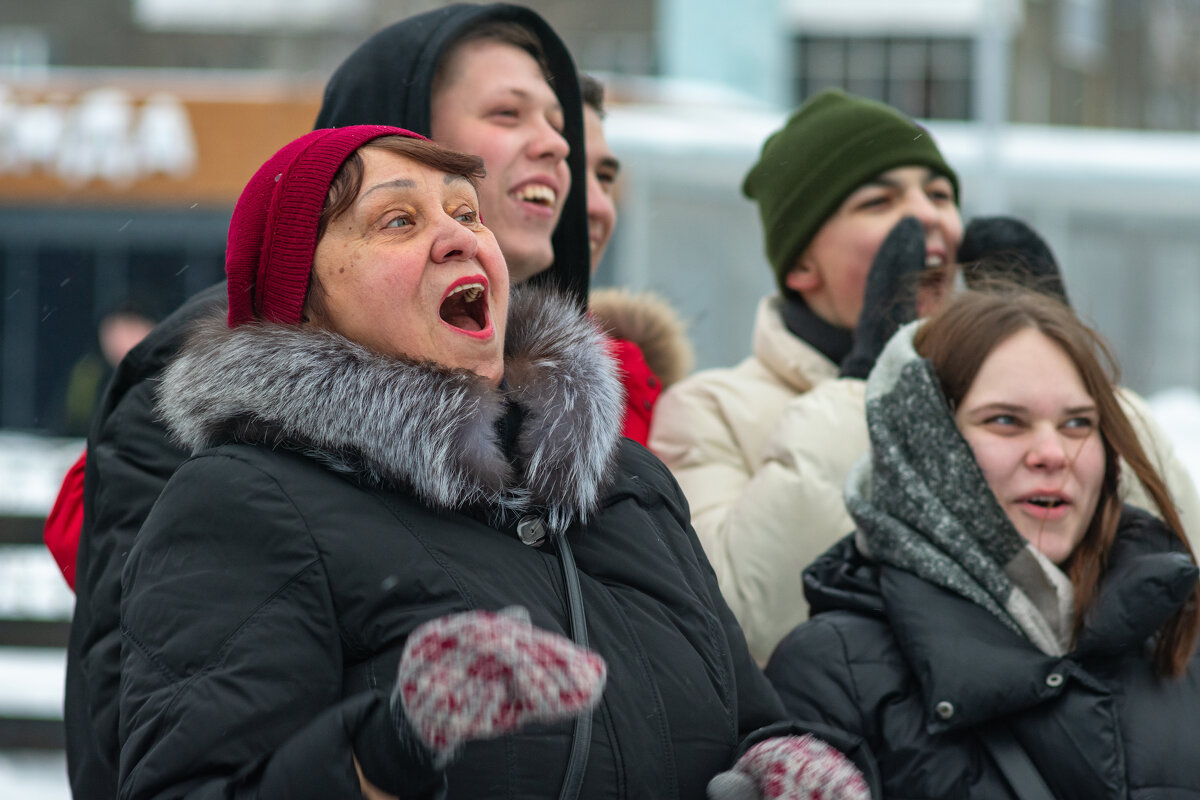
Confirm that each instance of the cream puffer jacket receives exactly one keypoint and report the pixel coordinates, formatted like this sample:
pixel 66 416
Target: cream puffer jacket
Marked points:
pixel 762 451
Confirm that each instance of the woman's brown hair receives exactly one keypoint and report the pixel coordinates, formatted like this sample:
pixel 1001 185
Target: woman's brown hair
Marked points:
pixel 959 339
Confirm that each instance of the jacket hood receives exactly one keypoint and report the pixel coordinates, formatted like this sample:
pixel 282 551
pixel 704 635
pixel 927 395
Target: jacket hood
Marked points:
pixel 842 579
pixel 388 80
pixel 648 321
pixel 416 425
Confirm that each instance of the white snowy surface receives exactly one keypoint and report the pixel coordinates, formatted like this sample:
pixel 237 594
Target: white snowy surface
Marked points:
pixel 31 470
pixel 33 775
pixel 31 686
pixel 31 587
pixel 31 682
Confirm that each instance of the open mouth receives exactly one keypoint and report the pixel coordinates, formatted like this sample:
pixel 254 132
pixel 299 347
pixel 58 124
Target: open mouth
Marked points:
pixel 537 193
pixel 1046 502
pixel 465 306
pixel 934 272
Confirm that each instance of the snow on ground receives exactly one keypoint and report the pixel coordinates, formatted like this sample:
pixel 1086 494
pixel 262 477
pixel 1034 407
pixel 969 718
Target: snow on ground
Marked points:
pixel 33 775
pixel 31 587
pixel 31 682
pixel 32 468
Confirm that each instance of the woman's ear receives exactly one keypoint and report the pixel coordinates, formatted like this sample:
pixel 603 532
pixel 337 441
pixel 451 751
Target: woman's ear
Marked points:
pixel 804 277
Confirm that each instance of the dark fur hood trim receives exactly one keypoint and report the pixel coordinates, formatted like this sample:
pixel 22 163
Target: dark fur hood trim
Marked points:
pixel 415 424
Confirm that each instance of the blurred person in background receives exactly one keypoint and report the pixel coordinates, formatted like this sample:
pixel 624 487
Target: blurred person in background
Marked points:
pixel 1000 624
pixel 647 337
pixel 118 331
pixel 862 227
pixel 495 81
pixel 390 449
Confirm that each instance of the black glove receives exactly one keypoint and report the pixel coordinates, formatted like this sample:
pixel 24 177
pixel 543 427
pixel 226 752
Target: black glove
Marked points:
pixel 1008 249
pixel 889 298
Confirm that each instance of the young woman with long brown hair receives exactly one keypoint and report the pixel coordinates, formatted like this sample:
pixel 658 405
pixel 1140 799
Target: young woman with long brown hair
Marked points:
pixel 999 619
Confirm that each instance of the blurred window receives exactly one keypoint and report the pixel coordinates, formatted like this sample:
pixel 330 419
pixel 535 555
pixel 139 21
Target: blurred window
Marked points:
pixel 924 77
pixel 58 280
pixel 23 49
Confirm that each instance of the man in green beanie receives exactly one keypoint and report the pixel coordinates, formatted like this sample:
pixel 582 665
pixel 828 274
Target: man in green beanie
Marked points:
pixel 833 146
pixel 862 229
pixel 763 475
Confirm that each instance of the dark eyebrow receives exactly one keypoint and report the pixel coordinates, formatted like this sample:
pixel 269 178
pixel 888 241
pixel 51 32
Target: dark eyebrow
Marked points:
pixel 408 183
pixel 1010 407
pixel 1082 410
pixel 399 183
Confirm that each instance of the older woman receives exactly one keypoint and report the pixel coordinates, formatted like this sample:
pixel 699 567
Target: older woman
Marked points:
pixel 1001 625
pixel 388 451
pixel 492 80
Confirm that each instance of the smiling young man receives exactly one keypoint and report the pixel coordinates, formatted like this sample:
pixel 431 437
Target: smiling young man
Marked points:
pixel 497 82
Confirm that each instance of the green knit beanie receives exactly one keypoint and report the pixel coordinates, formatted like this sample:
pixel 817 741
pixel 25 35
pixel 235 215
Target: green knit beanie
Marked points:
pixel 832 145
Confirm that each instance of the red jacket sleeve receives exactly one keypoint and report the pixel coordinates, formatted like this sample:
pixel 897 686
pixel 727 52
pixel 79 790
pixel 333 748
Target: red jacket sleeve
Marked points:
pixel 65 521
pixel 642 388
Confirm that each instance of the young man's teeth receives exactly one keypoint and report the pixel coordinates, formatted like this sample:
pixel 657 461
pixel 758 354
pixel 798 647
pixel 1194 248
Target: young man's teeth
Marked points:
pixel 934 261
pixel 537 193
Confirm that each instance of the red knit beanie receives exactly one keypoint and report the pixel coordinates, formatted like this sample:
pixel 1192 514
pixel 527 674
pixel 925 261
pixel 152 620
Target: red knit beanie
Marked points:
pixel 273 232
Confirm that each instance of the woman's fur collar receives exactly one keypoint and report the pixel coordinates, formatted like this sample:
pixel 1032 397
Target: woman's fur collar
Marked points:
pixel 413 424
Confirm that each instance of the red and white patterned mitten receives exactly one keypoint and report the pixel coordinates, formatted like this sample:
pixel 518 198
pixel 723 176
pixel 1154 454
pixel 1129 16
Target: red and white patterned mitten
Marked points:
pixel 790 768
pixel 482 674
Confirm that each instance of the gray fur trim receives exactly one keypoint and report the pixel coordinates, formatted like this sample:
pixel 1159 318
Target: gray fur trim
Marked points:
pixel 922 503
pixel 415 424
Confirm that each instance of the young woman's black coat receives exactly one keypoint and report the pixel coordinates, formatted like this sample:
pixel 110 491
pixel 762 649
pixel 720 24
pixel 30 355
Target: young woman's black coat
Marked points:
pixel 920 672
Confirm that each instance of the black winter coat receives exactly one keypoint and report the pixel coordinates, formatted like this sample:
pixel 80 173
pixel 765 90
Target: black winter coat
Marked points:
pixel 129 461
pixel 270 593
pixel 919 672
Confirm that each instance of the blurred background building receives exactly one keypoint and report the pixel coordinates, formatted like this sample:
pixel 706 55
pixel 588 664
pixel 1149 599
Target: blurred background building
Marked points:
pixel 128 128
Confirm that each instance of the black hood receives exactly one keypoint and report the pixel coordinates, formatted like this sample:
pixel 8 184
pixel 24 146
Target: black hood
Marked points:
pixel 388 81
pixel 843 579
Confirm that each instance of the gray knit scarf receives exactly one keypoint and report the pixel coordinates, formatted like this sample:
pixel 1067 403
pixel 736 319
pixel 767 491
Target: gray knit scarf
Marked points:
pixel 922 504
